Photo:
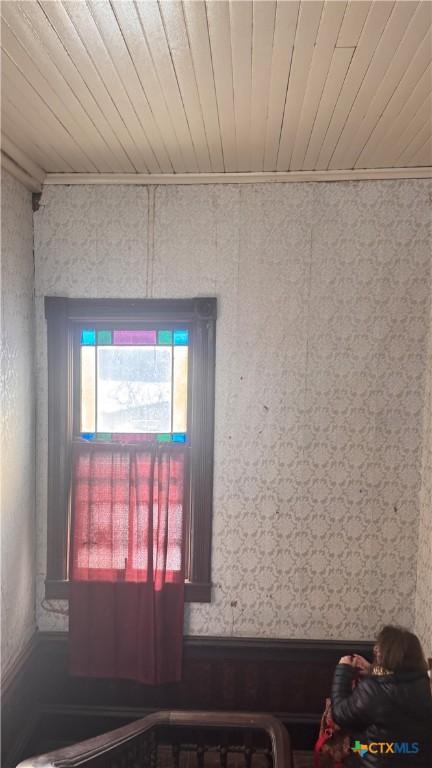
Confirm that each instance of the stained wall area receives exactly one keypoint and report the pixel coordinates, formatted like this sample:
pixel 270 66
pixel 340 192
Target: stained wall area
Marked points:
pixel 17 421
pixel 324 294
pixel 423 618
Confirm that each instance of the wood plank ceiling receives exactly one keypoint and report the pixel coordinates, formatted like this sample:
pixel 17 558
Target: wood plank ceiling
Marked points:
pixel 194 87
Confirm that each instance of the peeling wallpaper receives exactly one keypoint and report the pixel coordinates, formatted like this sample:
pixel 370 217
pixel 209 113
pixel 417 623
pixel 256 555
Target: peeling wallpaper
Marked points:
pixel 17 421
pixel 423 619
pixel 323 296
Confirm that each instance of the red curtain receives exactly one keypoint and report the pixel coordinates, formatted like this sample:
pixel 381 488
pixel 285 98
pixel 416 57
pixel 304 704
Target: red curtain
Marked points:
pixel 127 563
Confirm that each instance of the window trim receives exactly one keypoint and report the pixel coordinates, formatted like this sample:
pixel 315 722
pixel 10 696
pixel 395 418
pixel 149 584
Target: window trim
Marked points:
pixel 62 314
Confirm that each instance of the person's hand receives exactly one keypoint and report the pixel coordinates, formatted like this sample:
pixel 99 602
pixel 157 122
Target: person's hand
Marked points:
pixel 347 660
pixel 362 664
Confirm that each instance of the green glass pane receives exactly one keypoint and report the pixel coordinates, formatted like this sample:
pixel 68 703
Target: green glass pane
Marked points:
pixel 164 438
pixel 164 337
pixel 104 337
pixel 104 436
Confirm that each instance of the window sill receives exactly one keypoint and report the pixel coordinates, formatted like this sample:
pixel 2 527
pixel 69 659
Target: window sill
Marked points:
pixel 194 591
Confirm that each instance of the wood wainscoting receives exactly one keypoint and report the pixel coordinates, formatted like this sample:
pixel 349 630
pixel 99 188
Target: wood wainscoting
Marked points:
pixel 19 711
pixel 45 708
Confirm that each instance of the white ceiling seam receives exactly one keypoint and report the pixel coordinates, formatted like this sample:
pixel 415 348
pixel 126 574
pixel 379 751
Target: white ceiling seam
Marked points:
pixel 19 173
pixel 21 159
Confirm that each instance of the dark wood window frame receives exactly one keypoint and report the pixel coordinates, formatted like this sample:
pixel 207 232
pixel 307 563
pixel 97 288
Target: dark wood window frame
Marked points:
pixel 63 316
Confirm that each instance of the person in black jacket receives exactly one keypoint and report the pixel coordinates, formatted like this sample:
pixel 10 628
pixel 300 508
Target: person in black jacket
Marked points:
pixel 389 712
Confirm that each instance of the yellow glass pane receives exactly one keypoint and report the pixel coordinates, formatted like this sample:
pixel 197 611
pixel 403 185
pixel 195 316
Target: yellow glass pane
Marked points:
pixel 180 381
pixel 88 389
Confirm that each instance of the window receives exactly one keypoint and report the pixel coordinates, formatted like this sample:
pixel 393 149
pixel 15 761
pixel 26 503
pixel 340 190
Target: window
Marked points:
pixel 133 384
pixel 130 371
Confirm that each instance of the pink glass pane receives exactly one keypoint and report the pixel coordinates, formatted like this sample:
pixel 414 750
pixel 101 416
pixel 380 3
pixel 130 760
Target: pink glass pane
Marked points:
pixel 134 337
pixel 132 438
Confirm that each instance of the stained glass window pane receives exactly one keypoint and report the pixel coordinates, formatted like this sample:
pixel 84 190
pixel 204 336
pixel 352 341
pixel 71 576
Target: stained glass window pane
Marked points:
pixel 134 337
pixel 164 438
pixel 119 437
pixel 180 389
pixel 134 388
pixel 104 337
pixel 179 437
pixel 181 337
pixel 136 438
pixel 164 337
pixel 88 336
pixel 88 389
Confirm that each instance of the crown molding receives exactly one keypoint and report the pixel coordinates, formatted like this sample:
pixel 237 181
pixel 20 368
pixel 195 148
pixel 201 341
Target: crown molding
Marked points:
pixel 35 184
pixel 360 174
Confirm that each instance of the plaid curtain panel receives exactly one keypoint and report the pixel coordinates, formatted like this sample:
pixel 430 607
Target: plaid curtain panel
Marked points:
pixel 127 562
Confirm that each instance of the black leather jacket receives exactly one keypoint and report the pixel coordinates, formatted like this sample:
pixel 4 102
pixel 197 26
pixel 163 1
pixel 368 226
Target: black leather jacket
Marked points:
pixel 389 708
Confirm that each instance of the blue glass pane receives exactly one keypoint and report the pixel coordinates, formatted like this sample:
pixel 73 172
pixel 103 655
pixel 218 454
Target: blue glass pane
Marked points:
pixel 181 338
pixel 88 435
pixel 178 437
pixel 88 336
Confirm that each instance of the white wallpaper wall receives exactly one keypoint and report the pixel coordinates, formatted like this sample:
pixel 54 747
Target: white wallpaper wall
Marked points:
pixel 423 619
pixel 321 353
pixel 17 421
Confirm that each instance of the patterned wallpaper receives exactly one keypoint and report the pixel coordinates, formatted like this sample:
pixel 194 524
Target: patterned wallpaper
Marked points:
pixel 321 354
pixel 423 618
pixel 17 421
